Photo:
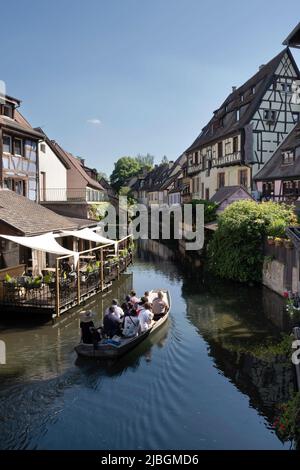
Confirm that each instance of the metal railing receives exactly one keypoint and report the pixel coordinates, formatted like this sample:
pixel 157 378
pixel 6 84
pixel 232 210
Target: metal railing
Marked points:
pixel 66 287
pixel 72 195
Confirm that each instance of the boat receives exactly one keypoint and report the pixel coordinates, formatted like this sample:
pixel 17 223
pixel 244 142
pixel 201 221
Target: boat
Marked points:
pixel 113 349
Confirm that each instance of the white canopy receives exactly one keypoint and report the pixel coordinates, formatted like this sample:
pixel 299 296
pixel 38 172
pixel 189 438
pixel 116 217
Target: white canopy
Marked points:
pixel 45 242
pixel 88 234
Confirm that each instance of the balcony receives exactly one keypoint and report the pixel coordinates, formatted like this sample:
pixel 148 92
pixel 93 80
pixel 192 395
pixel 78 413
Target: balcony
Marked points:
pixel 88 195
pixel 194 168
pixel 227 159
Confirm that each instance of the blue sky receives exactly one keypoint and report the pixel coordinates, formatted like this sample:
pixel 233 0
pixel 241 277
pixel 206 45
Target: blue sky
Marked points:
pixel 108 78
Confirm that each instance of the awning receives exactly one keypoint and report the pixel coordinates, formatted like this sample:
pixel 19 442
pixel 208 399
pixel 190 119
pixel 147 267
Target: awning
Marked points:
pixel 45 242
pixel 88 234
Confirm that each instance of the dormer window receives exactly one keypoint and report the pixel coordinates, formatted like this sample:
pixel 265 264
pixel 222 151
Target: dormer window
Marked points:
pixel 238 114
pixel 7 110
pixel 288 157
pixel 242 97
pixel 253 90
pixel 296 117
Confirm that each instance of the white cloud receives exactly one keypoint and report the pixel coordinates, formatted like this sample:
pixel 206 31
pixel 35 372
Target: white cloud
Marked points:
pixel 94 122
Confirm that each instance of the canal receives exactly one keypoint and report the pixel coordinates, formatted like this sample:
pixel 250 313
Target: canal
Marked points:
pixel 199 383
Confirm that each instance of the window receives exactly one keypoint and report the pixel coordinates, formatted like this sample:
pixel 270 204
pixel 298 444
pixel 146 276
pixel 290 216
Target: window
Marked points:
pixel 30 150
pixel 253 90
pixel 238 114
pixel 296 117
pixel 18 147
pixel 235 144
pixel 20 187
pixel 242 97
pixel 7 110
pixel 196 158
pixel 288 157
pixel 269 115
pixel 207 194
pixel 286 87
pixel 43 148
pixel 243 178
pixel 220 149
pixel 221 180
pixel 8 184
pixel 6 144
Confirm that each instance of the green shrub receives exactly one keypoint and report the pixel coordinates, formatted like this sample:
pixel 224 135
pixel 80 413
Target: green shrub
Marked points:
pixel 236 249
pixel 210 209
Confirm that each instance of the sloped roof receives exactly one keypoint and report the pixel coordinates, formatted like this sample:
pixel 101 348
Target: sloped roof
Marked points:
pixel 293 39
pixel 20 124
pixel 30 218
pixel 227 191
pixel 274 169
pixel 156 177
pixel 227 112
pixel 75 163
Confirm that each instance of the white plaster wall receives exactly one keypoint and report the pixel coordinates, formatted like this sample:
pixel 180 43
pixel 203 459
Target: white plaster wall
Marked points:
pixel 56 174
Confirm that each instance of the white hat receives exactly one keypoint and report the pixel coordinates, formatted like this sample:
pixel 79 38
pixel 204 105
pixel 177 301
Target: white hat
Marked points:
pixel 87 315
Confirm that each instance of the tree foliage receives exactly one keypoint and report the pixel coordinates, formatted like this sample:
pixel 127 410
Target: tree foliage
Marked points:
pixel 126 167
pixel 235 251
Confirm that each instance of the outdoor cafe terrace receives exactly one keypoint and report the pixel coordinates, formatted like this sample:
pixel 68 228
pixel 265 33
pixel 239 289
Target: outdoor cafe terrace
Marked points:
pixel 70 280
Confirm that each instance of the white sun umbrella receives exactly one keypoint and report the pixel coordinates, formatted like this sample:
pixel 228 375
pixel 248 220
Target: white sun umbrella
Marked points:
pixel 46 243
pixel 88 234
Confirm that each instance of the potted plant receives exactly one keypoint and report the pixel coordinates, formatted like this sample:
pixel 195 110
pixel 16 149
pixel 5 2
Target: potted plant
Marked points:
pixel 278 241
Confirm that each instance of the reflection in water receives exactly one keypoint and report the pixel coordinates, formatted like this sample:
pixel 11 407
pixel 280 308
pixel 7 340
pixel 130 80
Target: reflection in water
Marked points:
pixel 191 385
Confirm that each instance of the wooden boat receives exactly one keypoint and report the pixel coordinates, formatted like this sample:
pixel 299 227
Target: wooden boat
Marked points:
pixel 105 349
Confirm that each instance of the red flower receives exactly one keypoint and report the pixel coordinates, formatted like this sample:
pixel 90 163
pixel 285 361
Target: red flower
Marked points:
pixel 286 295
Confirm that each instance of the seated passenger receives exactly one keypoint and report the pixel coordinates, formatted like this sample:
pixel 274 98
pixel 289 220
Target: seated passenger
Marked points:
pixel 159 306
pixel 117 309
pixel 131 325
pixel 87 325
pixel 133 298
pixel 111 324
pixel 145 317
pixel 141 305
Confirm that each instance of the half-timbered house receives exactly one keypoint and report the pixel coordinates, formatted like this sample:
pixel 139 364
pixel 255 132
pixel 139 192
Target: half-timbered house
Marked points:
pixel 246 130
pixel 18 151
pixel 279 179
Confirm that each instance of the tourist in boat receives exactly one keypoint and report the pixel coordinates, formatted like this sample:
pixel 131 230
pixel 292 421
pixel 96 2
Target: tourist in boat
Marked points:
pixel 145 317
pixel 141 305
pixel 159 306
pixel 146 295
pixel 133 298
pixel 131 325
pixel 117 309
pixel 87 325
pixel 111 324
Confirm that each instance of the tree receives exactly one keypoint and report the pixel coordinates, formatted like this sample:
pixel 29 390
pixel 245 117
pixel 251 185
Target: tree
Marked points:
pixel 102 175
pixel 235 251
pixel 125 168
pixel 145 161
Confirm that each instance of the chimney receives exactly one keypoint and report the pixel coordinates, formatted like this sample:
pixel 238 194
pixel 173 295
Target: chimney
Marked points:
pixel 171 163
pixel 261 66
pixel 233 89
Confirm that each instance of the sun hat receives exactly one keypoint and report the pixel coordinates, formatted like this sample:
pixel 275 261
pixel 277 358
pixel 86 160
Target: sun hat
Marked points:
pixel 87 315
